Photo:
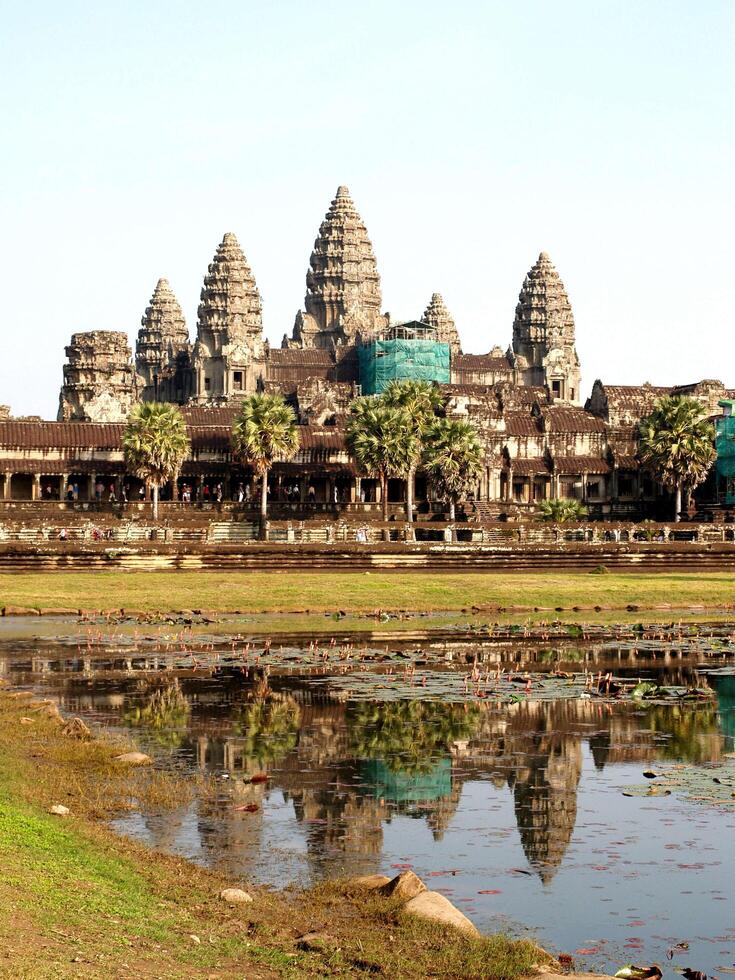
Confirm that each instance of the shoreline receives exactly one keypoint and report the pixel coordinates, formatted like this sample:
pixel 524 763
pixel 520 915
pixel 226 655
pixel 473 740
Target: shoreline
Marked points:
pixel 96 904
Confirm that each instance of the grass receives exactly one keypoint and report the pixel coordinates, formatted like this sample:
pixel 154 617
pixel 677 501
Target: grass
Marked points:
pixel 78 901
pixel 358 592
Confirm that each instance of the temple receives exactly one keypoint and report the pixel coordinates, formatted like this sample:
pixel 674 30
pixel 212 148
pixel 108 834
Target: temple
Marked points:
pixel 525 400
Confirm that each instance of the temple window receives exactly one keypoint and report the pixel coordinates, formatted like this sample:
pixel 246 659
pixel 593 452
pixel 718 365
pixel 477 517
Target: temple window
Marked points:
pixel 207 384
pixel 593 489
pixel 237 380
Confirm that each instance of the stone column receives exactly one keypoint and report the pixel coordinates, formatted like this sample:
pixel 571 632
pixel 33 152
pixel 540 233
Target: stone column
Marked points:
pixel 91 481
pixel 36 488
pixel 7 486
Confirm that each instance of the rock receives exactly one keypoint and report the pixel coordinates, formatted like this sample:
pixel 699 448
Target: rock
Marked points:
pixel 433 906
pixel 59 611
pixel 134 758
pixel 59 810
pixel 26 721
pixel 19 611
pixel 370 881
pixel 76 728
pixel 235 896
pixel 404 886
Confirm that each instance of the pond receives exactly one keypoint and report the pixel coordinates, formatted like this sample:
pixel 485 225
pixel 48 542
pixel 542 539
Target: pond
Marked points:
pixel 500 769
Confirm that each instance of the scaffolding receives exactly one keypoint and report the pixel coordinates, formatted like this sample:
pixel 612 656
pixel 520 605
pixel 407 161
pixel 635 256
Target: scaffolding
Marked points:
pixel 402 352
pixel 725 446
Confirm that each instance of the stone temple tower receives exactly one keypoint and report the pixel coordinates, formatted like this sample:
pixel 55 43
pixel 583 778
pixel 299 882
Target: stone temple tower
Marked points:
pixel 229 351
pixel 543 333
pixel 100 384
pixel 163 351
pixel 342 285
pixel 437 315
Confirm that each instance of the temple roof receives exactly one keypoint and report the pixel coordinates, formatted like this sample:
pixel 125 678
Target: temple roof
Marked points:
pixel 230 301
pixel 543 313
pixel 343 279
pixel 163 329
pixel 437 315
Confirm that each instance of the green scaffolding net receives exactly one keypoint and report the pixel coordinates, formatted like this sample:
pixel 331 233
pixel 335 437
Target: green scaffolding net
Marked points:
pixel 382 361
pixel 725 446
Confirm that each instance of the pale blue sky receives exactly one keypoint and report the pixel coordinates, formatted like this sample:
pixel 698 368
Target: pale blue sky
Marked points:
pixel 471 134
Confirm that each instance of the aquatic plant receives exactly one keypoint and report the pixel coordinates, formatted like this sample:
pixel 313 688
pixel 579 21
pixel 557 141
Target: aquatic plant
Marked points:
pixel 163 712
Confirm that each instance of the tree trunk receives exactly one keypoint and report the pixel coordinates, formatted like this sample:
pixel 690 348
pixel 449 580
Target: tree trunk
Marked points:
pixel 264 506
pixel 452 510
pixel 677 504
pixel 384 501
pixel 175 485
pixel 155 501
pixel 409 494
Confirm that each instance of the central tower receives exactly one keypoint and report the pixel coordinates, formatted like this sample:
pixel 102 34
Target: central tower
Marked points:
pixel 342 285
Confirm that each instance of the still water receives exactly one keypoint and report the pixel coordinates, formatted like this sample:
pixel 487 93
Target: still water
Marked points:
pixel 515 811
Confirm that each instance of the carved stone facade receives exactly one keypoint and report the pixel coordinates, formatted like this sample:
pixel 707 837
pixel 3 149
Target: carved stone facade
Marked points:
pixel 230 350
pixel 100 384
pixel 543 333
pixel 342 285
pixel 524 401
pixel 163 350
pixel 437 315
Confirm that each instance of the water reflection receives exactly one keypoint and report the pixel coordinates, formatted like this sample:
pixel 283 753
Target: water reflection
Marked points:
pixel 362 787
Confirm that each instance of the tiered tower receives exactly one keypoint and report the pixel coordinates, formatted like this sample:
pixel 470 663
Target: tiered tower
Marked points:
pixel 543 333
pixel 100 383
pixel 342 285
pixel 229 350
pixel 437 315
pixel 163 351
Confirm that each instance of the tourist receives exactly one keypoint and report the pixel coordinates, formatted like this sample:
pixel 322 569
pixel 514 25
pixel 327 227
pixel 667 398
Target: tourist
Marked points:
pixel 99 489
pixel 141 492
pixel 362 495
pixel 76 491
pixel 62 534
pixel 248 493
pixel 125 491
pixel 70 492
pixel 311 494
pixel 240 493
pixel 112 498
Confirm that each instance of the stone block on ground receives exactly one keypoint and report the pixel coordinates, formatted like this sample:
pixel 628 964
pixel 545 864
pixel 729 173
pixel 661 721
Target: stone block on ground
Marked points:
pixel 370 881
pixel 235 896
pixel 404 886
pixel 437 908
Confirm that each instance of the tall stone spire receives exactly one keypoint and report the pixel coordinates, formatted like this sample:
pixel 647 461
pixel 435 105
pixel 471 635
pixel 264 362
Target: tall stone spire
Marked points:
pixel 543 333
pixel 342 285
pixel 229 327
pixel 163 341
pixel 438 316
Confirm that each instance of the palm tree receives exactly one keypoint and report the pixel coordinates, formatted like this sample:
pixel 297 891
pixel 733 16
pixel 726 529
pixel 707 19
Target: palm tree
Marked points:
pixel 453 458
pixel 677 444
pixel 422 400
pixel 562 509
pixel 264 431
pixel 155 443
pixel 382 440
